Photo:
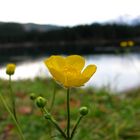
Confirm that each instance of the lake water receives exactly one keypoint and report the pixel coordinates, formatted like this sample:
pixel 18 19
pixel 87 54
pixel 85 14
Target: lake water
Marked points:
pixel 117 72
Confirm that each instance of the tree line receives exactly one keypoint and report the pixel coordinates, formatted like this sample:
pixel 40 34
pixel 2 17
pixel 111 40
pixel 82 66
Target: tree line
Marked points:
pixel 15 32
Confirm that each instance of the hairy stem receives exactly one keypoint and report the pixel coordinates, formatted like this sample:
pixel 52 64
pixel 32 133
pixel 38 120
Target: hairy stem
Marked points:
pixel 52 120
pixel 75 127
pixel 68 114
pixel 12 116
pixel 12 98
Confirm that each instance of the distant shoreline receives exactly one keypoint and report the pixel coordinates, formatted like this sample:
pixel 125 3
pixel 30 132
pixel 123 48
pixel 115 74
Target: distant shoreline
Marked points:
pixel 38 48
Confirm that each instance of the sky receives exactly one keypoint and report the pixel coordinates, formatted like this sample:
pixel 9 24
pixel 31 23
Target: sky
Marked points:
pixel 67 12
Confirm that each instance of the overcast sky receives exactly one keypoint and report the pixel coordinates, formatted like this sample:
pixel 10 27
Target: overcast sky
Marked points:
pixel 67 12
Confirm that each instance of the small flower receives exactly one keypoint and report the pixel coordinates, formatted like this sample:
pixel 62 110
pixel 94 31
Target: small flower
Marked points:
pixel 130 43
pixel 10 69
pixel 123 44
pixel 68 71
pixel 83 110
pixel 40 102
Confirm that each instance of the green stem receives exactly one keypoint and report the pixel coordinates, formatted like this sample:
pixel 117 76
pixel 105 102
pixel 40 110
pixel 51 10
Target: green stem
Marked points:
pixel 12 116
pixel 75 127
pixel 68 114
pixel 58 128
pixel 55 123
pixel 12 98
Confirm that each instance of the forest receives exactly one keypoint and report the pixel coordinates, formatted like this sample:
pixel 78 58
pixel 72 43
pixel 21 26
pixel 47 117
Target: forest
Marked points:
pixel 82 38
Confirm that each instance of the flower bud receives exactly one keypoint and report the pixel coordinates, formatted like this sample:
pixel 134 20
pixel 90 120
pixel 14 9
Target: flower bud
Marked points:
pixel 40 102
pixel 47 116
pixel 83 111
pixel 10 69
pixel 32 96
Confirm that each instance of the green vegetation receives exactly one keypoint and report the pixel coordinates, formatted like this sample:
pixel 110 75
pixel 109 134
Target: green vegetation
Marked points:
pixel 111 116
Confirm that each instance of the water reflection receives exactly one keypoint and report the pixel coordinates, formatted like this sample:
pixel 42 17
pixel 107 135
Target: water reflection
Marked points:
pixel 121 72
pixel 118 72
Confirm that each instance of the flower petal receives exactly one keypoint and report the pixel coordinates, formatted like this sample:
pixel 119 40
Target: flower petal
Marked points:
pixel 76 82
pixel 89 71
pixel 57 75
pixel 76 61
pixel 55 61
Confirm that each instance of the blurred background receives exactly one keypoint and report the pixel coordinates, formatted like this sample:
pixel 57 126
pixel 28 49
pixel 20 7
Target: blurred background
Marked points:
pixel 106 33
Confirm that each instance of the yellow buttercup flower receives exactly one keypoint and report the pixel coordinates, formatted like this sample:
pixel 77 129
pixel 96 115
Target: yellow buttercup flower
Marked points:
pixel 127 43
pixel 10 69
pixel 68 71
pixel 130 43
pixel 123 44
